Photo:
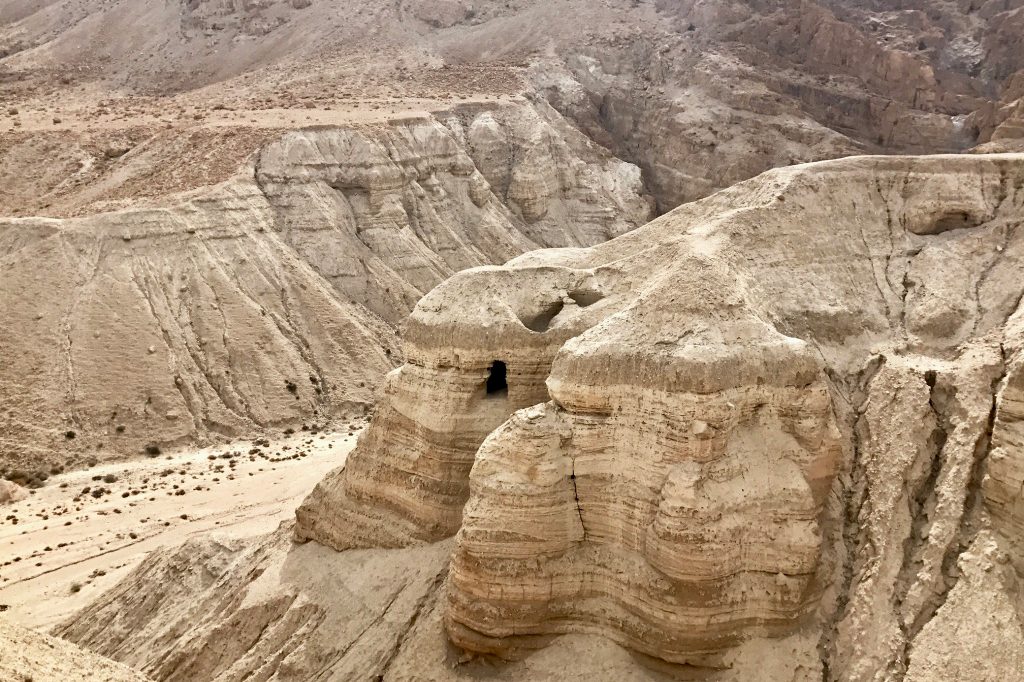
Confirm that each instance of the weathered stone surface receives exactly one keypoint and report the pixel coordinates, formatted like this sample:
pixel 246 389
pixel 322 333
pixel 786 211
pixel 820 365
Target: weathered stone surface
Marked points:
pixel 264 609
pixel 691 390
pixel 28 655
pixel 274 297
pixel 11 492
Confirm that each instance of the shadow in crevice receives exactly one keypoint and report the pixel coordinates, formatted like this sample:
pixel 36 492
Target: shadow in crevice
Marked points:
pixel 497 380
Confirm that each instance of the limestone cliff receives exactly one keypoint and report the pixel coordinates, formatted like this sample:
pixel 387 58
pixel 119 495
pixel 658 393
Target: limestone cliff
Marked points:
pixel 274 297
pixel 773 434
pixel 691 391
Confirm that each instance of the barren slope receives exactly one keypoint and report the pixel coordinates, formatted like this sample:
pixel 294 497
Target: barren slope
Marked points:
pixel 274 297
pixel 29 655
pixel 788 413
pixel 699 94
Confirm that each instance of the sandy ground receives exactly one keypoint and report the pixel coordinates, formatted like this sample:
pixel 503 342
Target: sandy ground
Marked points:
pixel 67 543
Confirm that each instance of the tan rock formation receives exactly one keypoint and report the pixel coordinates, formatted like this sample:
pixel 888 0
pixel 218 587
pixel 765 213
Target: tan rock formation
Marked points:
pixel 27 655
pixel 271 609
pixel 700 95
pixel 672 489
pixel 11 492
pixel 273 297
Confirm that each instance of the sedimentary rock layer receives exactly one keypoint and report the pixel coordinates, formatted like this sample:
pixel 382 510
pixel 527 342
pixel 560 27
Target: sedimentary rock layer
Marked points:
pixel 274 297
pixel 28 655
pixel 671 483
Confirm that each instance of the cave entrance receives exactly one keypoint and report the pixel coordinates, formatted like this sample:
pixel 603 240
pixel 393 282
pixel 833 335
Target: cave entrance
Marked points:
pixel 497 382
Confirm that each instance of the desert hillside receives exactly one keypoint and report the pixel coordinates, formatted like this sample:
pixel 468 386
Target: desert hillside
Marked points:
pixel 359 154
pixel 523 340
pixel 768 433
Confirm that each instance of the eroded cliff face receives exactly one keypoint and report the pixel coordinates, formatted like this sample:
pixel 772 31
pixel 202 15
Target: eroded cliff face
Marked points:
pixel 688 85
pixel 786 410
pixel 274 297
pixel 773 434
pixel 700 95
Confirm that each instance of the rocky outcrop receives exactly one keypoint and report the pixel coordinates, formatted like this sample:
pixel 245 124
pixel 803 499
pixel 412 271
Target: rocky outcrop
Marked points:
pixel 11 492
pixel 767 84
pixel 29 655
pixel 387 213
pixel 214 610
pixel 1001 124
pixel 691 390
pixel 274 297
pixel 270 609
pixel 700 95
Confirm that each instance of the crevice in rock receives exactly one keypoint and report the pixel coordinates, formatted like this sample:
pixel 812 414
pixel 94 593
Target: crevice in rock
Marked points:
pixel 993 261
pixel 854 496
pixel 970 519
pixel 921 503
pixel 576 496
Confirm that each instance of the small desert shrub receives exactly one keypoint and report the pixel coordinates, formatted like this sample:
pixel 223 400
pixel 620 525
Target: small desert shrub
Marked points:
pixel 76 588
pixel 70 435
pixel 153 450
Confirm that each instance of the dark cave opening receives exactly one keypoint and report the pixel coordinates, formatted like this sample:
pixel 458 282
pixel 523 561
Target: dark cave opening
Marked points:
pixel 497 382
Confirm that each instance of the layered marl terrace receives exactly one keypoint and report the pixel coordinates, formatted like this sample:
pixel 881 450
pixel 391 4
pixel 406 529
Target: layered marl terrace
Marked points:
pixel 692 388
pixel 190 321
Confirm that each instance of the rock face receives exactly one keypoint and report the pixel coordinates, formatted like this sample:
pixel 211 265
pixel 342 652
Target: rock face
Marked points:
pixel 387 213
pixel 28 655
pixel 700 95
pixel 273 610
pixel 294 612
pixel 642 439
pixel 1001 124
pixel 274 297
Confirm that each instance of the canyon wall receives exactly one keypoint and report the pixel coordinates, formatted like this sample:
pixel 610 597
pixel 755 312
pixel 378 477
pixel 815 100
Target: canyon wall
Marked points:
pixel 699 95
pixel 742 87
pixel 774 433
pixel 767 411
pixel 274 297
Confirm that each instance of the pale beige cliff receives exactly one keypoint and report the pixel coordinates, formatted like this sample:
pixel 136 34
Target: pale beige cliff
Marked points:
pixel 772 433
pixel 274 297
pixel 706 377
pixel 271 609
